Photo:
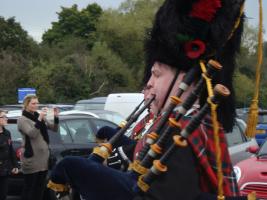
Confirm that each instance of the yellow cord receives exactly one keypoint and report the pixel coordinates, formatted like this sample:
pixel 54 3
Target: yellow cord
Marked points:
pixel 254 107
pixel 216 133
pixel 237 22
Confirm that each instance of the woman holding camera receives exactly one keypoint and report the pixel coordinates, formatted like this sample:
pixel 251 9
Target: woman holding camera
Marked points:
pixel 33 126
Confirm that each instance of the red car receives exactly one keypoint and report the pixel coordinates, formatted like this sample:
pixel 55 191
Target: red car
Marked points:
pixel 252 172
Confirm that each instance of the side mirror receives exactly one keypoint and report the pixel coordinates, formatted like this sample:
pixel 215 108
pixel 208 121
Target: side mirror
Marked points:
pixel 252 149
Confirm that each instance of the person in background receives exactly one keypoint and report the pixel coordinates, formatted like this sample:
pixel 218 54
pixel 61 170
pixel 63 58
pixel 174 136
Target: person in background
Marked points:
pixel 35 150
pixel 8 161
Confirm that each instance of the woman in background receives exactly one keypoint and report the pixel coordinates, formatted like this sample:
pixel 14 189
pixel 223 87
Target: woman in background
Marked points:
pixel 8 161
pixel 33 126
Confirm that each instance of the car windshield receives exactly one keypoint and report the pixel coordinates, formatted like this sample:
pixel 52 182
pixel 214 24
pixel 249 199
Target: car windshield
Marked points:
pixel 236 136
pixel 263 150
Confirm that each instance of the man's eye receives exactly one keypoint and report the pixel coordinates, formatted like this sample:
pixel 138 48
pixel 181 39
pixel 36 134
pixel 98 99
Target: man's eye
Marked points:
pixel 156 74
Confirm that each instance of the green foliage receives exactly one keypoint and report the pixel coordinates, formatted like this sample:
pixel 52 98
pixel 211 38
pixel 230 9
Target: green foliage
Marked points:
pixel 69 45
pixel 246 66
pixel 72 22
pixel 14 39
pixel 107 72
pixel 126 36
pixel 244 88
pixel 72 75
pixel 13 68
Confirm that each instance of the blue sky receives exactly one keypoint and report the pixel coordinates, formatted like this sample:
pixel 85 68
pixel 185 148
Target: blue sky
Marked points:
pixel 36 16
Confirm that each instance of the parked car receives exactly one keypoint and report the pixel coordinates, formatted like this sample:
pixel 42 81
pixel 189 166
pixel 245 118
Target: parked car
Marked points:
pixel 238 142
pixel 61 107
pixel 252 172
pixel 124 103
pixel 242 113
pixel 96 103
pixel 102 114
pixel 75 137
pixel 261 129
pixel 11 107
pixel 15 107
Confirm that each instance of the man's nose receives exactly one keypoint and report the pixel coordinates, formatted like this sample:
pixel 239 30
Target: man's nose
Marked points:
pixel 150 83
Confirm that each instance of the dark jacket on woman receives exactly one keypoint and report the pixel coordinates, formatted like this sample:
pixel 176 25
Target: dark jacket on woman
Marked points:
pixel 8 159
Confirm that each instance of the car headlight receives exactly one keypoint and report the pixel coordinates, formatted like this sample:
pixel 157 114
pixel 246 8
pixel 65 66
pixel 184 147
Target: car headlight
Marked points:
pixel 237 171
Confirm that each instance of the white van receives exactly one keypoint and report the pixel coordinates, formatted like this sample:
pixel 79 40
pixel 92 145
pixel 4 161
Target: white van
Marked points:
pixel 124 103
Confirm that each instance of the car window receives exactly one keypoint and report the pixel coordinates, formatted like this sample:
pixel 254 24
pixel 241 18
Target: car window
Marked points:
pixel 98 123
pixel 81 131
pixel 15 134
pixel 63 131
pixel 235 137
pixel 263 149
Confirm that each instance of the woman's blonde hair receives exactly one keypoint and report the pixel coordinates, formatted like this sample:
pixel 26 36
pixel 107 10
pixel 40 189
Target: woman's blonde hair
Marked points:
pixel 27 99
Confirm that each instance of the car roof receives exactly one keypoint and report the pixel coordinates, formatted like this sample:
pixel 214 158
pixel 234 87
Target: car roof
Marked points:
pixel 100 100
pixel 102 111
pixel 93 112
pixel 78 112
pixel 63 117
pixel 60 105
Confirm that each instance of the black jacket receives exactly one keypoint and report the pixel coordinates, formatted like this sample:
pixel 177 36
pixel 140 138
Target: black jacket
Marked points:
pixel 8 159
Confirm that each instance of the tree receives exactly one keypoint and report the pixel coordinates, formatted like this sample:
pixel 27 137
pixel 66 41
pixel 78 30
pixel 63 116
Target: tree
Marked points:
pixel 246 66
pixel 67 46
pixel 126 37
pixel 244 88
pixel 107 72
pixel 14 39
pixel 72 22
pixel 13 75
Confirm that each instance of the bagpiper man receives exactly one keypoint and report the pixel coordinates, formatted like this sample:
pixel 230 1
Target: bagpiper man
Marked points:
pixel 185 33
